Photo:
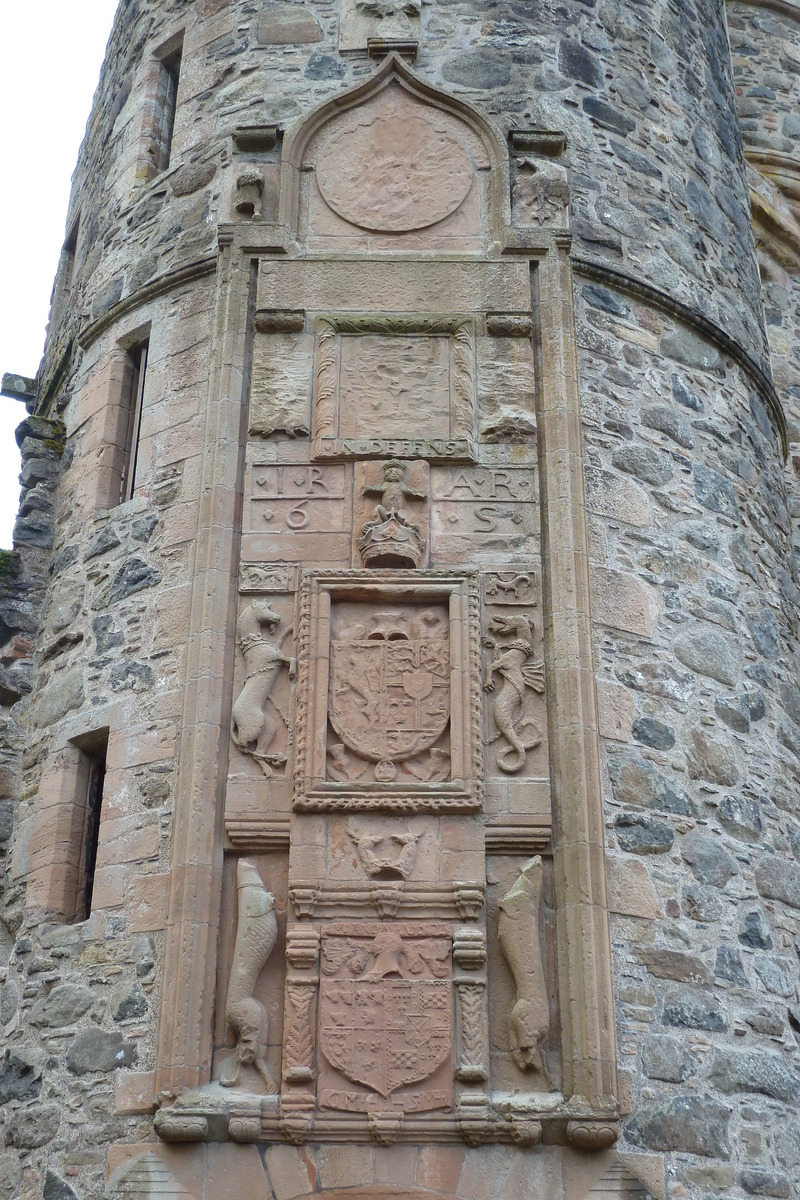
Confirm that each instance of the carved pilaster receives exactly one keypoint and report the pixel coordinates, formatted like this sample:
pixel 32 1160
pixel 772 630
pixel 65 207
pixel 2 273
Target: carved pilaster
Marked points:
pixel 299 1038
pixel 472 1047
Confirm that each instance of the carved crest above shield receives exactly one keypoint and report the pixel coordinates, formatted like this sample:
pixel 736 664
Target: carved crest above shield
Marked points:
pixel 388 708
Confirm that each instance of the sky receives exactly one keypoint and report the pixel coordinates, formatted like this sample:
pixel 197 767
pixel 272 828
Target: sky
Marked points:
pixel 48 77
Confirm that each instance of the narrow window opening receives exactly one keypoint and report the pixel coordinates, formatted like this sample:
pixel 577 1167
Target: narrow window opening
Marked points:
pixel 68 260
pixel 133 393
pixel 93 751
pixel 166 104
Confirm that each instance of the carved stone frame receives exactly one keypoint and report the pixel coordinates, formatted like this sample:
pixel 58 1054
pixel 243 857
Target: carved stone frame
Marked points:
pixel 325 408
pixel 312 791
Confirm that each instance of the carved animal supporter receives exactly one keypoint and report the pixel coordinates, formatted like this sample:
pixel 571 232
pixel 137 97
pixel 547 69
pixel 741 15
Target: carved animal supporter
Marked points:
pixel 511 641
pixel 253 726
pixel 518 932
pixel 256 934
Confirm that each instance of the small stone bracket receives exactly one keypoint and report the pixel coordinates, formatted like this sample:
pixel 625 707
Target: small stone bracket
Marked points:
pixel 548 142
pixel 253 139
pixel 378 48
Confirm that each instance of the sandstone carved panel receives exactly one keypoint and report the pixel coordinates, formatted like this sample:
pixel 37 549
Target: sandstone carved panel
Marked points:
pixel 268 577
pixel 511 673
pixel 286 501
pixel 388 20
pixel 256 934
pixel 379 377
pixel 280 387
pixel 484 514
pixel 390 513
pixel 260 721
pixel 518 933
pixel 388 704
pixel 396 170
pixel 385 1024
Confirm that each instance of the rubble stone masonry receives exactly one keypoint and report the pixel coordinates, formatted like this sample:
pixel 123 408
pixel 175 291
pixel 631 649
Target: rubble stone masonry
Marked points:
pixel 400 730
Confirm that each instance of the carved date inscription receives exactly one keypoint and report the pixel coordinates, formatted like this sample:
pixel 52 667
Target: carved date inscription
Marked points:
pixel 297 499
pixel 483 512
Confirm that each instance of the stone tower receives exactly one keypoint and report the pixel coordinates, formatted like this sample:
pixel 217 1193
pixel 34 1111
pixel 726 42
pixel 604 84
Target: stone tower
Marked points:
pixel 401 727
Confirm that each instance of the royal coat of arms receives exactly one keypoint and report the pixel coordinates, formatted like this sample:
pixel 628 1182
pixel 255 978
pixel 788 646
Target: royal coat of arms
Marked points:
pixel 389 691
pixel 386 1018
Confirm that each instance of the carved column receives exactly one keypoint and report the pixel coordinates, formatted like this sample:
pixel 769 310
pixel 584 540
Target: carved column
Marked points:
pixel 472 1046
pixel 299 1035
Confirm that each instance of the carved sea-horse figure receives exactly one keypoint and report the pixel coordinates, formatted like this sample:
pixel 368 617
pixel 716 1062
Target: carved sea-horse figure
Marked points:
pixel 253 728
pixel 256 934
pixel 510 663
pixel 518 933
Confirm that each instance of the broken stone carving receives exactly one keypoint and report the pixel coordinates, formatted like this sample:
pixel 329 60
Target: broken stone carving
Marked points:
pixel 518 932
pixel 391 538
pixel 390 857
pixel 253 727
pixel 249 190
pixel 386 1017
pixel 256 934
pixel 510 640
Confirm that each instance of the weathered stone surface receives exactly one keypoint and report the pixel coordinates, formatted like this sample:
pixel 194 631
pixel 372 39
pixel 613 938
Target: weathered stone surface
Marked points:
pixel 287 24
pixel 637 782
pixel 686 395
pixel 778 880
pixel 62 1006
pixel 728 965
pixel 754 930
pixel 19 1078
pixel 666 1058
pixel 10 1176
pixel 715 492
pixel 651 466
pixel 778 975
pixel 709 861
pixel 643 835
pixel 711 759
pixel 651 732
pixel 674 964
pixel 64 692
pixel 666 420
pixel 29 1128
pixel 484 68
pixel 701 904
pixel 685 346
pixel 757 1181
pixel 741 816
pixel 132 577
pixel 763 1072
pixel 98 1050
pixel 691 1124
pixel 56 1188
pixel 708 653
pixel 693 1009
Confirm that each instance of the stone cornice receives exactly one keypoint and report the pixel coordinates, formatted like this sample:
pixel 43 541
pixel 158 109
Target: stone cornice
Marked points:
pixel 787 8
pixel 638 289
pixel 162 283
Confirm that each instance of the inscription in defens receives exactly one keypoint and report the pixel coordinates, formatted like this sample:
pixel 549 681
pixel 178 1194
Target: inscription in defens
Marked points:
pixel 432 449
pixel 297 499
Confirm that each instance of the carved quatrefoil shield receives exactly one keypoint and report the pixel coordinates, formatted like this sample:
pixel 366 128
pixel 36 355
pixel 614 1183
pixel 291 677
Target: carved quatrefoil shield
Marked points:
pixel 390 694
